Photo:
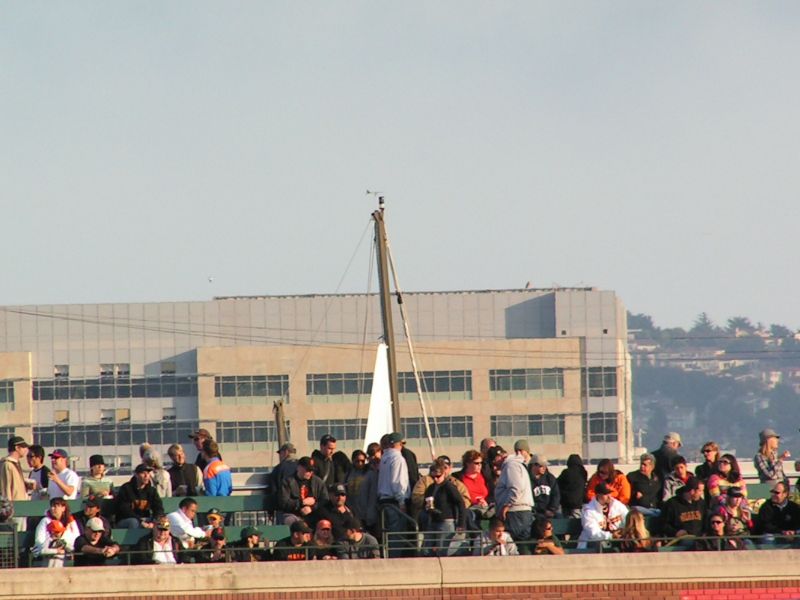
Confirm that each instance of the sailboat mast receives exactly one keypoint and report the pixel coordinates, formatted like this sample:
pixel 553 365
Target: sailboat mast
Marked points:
pixel 386 309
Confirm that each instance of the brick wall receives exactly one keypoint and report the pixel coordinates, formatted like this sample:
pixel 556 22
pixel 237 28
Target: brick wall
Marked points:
pixel 757 590
pixel 756 575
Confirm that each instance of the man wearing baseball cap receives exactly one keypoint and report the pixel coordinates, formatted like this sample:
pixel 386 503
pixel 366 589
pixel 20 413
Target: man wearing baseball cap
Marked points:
pixel 138 502
pixel 64 482
pixel 602 518
pixel 513 494
pixel 199 437
pixel 247 549
pixel 12 480
pixel 94 546
pixel 665 453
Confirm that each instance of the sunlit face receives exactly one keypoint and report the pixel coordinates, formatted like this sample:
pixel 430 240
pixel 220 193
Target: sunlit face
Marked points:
pixel 717 526
pixel 190 511
pixel 474 466
pixel 497 533
pixel 698 493
pixel 59 463
pixel 778 494
pixel 604 499
pixel 98 471
pixel 91 511
pixel 710 454
pixel 724 466
pixel 35 462
pixel 298 538
pixel 646 467
pixel 539 469
pixel 143 478
pixel 328 449
pixel 57 510
pixel 94 536
pixel 773 443
pixel 161 534
pixel 681 470
pixel 178 457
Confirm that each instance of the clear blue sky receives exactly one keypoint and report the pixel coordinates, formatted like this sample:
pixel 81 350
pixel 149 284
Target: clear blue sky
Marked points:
pixel 651 148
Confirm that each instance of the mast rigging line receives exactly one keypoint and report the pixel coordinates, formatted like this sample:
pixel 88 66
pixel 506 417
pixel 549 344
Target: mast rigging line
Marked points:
pixel 412 355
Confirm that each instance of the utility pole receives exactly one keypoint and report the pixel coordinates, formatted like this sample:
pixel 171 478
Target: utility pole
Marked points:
pixel 386 309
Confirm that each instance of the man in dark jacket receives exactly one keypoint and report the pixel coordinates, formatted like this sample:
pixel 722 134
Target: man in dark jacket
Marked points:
pixel 336 511
pixel 185 478
pixel 664 455
pixel 302 494
pixel 138 502
pixel 685 513
pixel 329 465
pixel 546 496
pixel 645 486
pixel 572 486
pixel 286 468
pixel 778 516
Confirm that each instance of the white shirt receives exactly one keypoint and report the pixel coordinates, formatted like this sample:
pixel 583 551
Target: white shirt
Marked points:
pixel 596 526
pixel 69 477
pixel 162 553
pixel 183 528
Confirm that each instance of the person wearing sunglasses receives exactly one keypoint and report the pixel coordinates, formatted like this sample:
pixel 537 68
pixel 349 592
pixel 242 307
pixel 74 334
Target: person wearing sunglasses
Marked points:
pixel 728 476
pixel 545 541
pixel 717 537
pixel 444 508
pixel 709 465
pixel 778 516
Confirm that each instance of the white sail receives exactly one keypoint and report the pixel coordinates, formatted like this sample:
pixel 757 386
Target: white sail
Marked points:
pixel 379 421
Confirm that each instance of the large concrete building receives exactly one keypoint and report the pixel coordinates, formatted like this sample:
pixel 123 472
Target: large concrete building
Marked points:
pixel 548 365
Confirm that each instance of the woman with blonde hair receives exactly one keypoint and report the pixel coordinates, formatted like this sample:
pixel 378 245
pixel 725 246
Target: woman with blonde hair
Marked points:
pixel 160 477
pixel 709 465
pixel 635 537
pixel 768 464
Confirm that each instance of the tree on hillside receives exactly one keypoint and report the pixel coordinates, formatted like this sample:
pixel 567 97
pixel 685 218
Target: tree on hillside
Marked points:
pixel 641 321
pixel 780 331
pixel 704 332
pixel 740 324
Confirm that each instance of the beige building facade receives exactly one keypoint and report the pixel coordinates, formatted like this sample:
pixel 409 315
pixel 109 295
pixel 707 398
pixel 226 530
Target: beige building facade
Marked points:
pixel 548 365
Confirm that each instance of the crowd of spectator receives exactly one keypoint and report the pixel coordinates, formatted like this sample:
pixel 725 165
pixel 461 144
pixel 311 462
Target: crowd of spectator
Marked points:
pixel 338 507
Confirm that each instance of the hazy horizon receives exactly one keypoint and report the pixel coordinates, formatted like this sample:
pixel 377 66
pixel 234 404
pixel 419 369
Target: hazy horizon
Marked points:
pixel 641 147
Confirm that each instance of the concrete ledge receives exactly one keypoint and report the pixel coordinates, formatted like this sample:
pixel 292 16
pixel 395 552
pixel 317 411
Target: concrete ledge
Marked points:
pixel 386 577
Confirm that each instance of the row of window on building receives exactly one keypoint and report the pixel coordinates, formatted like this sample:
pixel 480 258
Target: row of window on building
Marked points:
pixel 117 383
pixel 459 429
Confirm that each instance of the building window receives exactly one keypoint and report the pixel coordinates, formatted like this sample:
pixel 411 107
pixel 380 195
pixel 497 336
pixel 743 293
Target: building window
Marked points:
pixel 603 427
pixel 332 387
pixel 525 383
pixel 113 383
pixel 6 392
pixel 444 385
pixel 445 429
pixel 61 371
pixel 246 432
pixel 250 389
pixel 341 429
pixel 600 381
pixel 168 413
pixel 111 434
pixel 61 416
pixel 543 429
pixel 7 431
